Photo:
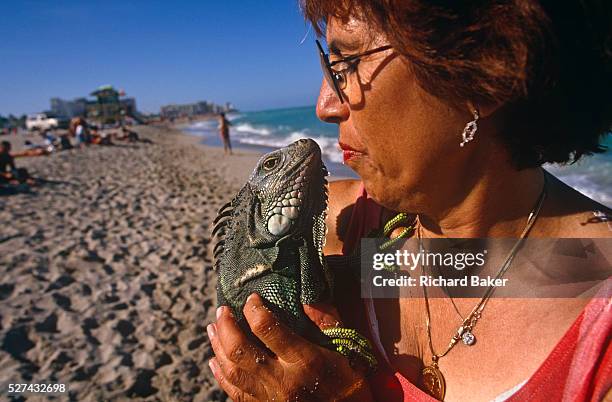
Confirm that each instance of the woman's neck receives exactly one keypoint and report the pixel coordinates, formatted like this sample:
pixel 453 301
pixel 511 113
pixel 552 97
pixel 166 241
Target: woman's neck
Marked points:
pixel 497 205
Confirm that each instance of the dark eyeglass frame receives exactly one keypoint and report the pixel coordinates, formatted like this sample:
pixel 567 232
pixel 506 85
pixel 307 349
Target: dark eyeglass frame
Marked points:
pixel 332 76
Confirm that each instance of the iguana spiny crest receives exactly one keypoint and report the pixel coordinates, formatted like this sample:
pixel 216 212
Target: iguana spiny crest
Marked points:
pixel 269 240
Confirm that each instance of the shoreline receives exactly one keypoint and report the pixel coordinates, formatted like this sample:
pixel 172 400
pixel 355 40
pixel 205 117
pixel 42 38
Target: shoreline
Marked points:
pixel 337 171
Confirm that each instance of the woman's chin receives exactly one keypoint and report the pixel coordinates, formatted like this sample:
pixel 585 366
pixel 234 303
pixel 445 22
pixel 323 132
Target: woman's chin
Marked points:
pixel 376 185
pixel 391 193
pixel 364 166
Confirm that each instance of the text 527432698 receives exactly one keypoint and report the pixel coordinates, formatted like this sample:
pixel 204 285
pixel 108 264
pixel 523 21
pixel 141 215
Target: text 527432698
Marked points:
pixel 22 388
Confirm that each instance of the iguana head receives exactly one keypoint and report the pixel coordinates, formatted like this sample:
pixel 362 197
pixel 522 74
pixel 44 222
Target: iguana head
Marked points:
pixel 276 220
pixel 285 197
pixel 290 187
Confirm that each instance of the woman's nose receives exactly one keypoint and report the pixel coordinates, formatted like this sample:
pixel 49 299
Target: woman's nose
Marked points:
pixel 329 108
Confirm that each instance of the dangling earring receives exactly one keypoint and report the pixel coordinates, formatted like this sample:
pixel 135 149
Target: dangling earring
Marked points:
pixel 470 129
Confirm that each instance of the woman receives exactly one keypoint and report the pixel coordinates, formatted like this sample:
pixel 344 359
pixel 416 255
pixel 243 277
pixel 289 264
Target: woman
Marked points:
pixel 224 133
pixel 448 112
pixel 78 128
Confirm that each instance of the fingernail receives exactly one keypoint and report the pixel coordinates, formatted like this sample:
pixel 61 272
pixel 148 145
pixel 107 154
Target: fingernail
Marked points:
pixel 210 330
pixel 219 311
pixel 251 297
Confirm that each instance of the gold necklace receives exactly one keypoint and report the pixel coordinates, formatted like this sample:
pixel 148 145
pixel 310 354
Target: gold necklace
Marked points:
pixel 432 379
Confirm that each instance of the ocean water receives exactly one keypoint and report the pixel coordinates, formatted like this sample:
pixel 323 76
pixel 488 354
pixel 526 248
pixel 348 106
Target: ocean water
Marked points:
pixel 276 128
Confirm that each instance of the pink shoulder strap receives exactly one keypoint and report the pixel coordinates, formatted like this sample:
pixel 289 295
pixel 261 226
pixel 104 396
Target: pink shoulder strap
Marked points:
pixel 580 367
pixel 365 217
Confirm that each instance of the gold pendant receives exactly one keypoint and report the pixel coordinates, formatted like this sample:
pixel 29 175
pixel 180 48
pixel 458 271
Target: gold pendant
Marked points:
pixel 433 381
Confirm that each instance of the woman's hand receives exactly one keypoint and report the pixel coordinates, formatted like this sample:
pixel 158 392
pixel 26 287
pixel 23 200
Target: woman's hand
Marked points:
pixel 299 369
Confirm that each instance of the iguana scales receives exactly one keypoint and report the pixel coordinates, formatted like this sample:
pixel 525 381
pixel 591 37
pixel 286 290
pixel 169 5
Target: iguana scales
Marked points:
pixel 269 240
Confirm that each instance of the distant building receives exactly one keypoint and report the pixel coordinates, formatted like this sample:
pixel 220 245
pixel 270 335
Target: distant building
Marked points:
pixel 189 109
pixel 129 104
pixel 68 108
pixel 108 107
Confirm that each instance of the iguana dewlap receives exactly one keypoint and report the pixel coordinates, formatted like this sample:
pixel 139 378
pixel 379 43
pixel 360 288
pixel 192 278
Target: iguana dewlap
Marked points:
pixel 270 239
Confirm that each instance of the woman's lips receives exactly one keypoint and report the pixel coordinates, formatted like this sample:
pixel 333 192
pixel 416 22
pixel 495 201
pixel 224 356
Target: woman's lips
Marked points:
pixel 348 155
pixel 348 152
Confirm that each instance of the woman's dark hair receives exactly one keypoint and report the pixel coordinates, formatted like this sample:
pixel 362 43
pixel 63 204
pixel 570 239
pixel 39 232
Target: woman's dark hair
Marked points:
pixel 548 63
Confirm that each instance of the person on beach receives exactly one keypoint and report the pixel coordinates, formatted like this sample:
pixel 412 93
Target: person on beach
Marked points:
pixel 97 137
pixel 9 173
pixel 78 128
pixel 49 140
pixel 224 133
pixel 128 135
pixel 65 143
pixel 7 162
pixel 32 149
pixel 447 112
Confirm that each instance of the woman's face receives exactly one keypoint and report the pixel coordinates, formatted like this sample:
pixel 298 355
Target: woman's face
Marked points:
pixel 402 141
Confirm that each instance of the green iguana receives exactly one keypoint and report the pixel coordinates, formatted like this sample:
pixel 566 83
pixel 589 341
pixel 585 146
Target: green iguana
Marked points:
pixel 270 239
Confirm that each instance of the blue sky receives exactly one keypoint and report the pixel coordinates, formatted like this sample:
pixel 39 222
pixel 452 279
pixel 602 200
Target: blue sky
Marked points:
pixel 247 52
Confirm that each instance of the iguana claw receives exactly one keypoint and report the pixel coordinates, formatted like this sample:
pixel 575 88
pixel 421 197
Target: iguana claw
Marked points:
pixel 352 345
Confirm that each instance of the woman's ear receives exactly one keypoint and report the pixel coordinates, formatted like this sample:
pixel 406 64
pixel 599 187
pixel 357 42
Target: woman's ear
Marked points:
pixel 483 110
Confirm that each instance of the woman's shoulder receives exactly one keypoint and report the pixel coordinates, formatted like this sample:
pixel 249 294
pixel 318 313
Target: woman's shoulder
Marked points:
pixel 342 197
pixel 573 214
pixel 343 193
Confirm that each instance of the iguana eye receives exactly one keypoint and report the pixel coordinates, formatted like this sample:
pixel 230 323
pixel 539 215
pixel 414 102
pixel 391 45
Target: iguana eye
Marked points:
pixel 271 163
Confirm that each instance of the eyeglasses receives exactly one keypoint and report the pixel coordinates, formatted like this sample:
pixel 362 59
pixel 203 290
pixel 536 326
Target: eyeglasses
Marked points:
pixel 336 79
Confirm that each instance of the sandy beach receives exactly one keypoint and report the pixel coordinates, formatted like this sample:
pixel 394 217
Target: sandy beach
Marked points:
pixel 107 278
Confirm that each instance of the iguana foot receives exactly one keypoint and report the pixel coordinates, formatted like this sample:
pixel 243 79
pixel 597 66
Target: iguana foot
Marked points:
pixel 352 345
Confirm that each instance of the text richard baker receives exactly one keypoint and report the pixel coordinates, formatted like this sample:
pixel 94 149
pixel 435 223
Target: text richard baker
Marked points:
pixel 438 281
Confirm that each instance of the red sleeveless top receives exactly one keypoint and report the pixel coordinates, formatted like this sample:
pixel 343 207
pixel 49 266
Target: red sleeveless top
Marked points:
pixel 578 369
